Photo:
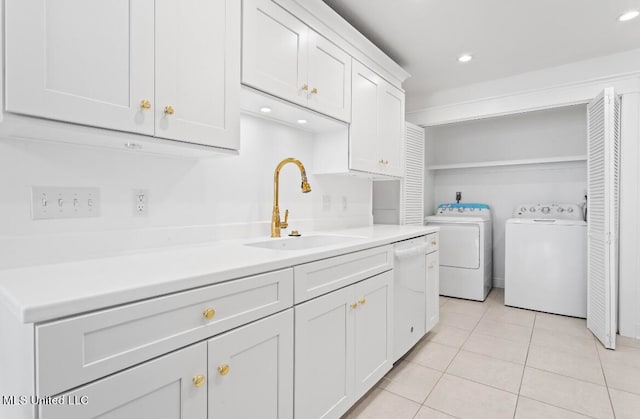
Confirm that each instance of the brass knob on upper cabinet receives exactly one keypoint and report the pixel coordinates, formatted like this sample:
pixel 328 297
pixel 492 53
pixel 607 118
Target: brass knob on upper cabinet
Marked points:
pixel 305 87
pixel 314 91
pixel 209 313
pixel 145 104
pixel 386 162
pixel 198 380
pixel 434 242
pixel 362 302
pixel 169 110
pixel 223 369
pixel 430 266
pixel 354 306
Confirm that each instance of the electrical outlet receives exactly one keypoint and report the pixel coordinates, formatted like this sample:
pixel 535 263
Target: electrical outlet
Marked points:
pixel 50 202
pixel 141 202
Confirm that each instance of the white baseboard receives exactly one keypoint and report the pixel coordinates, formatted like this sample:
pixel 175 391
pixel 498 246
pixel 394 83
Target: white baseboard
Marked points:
pixel 498 282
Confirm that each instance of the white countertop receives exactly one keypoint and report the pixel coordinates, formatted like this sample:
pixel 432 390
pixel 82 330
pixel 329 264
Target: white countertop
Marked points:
pixel 47 292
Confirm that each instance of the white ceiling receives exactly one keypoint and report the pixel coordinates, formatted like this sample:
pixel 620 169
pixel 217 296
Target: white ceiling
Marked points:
pixel 505 37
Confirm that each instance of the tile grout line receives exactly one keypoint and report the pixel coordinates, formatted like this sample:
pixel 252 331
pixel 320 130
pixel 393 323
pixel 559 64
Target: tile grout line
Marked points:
pixel 604 376
pixel 526 358
pixel 454 357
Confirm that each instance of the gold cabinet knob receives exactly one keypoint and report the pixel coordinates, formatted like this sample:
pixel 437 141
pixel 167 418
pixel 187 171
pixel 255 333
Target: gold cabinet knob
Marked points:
pixel 362 302
pixel 354 306
pixel 209 313
pixel 145 104
pixel 430 266
pixel 381 162
pixel 434 242
pixel 314 91
pixel 386 162
pixel 198 380
pixel 169 110
pixel 223 369
pixel 305 87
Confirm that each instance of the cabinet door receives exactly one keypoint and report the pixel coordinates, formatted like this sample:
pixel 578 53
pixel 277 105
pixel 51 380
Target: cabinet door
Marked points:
pixel 87 62
pixel 391 130
pixel 324 330
pixel 433 290
pixel 198 71
pixel 373 331
pixel 251 370
pixel 329 78
pixel 274 51
pixel 161 389
pixel 363 132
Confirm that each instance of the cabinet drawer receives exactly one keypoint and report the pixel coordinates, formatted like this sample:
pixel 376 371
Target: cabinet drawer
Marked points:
pixel 80 349
pixel 432 242
pixel 317 278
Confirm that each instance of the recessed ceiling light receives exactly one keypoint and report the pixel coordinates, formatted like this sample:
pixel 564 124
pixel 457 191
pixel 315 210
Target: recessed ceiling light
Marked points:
pixel 631 14
pixel 265 109
pixel 465 58
pixel 302 121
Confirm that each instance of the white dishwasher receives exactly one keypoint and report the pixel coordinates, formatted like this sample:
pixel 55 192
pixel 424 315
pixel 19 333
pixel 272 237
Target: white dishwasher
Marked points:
pixel 409 271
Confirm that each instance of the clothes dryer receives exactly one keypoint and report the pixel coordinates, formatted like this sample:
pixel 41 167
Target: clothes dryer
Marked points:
pixel 465 249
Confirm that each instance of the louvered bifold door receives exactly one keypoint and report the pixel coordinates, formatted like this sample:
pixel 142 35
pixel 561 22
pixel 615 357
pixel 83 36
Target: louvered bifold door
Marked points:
pixel 413 183
pixel 603 120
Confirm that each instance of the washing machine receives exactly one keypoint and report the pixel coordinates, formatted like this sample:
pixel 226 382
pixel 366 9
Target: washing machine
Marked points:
pixel 465 249
pixel 546 259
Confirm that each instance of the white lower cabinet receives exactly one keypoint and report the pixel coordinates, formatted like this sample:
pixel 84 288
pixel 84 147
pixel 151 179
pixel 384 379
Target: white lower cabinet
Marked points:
pixel 343 346
pixel 170 387
pixel 433 289
pixel 251 370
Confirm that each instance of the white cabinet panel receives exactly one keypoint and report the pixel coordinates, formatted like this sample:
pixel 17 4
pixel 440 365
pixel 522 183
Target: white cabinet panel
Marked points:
pixel 433 290
pixel 374 331
pixel 87 62
pixel 329 78
pixel 391 130
pixel 324 368
pixel 274 50
pixel 198 71
pixel 251 370
pixel 363 135
pixel 159 389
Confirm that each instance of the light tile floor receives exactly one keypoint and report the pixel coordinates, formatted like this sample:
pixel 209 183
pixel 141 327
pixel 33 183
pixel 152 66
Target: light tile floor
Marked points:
pixel 486 360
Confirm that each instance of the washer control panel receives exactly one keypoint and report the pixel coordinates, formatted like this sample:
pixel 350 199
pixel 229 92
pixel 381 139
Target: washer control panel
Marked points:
pixel 464 210
pixel 549 211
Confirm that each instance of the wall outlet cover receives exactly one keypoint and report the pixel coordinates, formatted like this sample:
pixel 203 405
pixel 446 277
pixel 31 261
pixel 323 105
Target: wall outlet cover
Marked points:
pixel 141 202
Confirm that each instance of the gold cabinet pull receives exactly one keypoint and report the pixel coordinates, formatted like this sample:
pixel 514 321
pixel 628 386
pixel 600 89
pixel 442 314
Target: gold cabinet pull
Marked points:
pixel 362 302
pixel 223 369
pixel 386 162
pixel 354 306
pixel 430 266
pixel 198 380
pixel 305 87
pixel 169 110
pixel 314 91
pixel 145 104
pixel 209 313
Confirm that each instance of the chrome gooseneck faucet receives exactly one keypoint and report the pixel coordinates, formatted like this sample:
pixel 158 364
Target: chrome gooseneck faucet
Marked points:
pixel 276 224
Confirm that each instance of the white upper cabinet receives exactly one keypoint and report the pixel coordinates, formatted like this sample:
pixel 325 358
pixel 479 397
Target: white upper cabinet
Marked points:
pixel 198 71
pixel 377 126
pixel 85 62
pixel 284 57
pixel 164 68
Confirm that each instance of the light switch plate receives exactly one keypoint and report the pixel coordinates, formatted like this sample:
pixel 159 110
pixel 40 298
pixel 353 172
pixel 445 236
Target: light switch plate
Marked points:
pixel 50 202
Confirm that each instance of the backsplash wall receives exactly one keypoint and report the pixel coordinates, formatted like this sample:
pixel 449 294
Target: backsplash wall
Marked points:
pixel 189 200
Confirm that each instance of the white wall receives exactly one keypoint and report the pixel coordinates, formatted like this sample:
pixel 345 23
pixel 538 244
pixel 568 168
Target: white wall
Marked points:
pixel 189 200
pixel 548 133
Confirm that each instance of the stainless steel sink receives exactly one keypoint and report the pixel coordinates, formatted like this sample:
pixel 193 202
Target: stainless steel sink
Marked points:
pixel 303 242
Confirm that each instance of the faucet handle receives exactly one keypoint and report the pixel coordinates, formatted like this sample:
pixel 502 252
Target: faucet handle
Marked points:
pixel 284 224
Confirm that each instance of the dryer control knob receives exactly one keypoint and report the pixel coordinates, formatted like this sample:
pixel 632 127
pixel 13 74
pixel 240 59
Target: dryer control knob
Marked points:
pixel 523 209
pixel 545 210
pixel 532 209
pixel 569 209
pixel 560 209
